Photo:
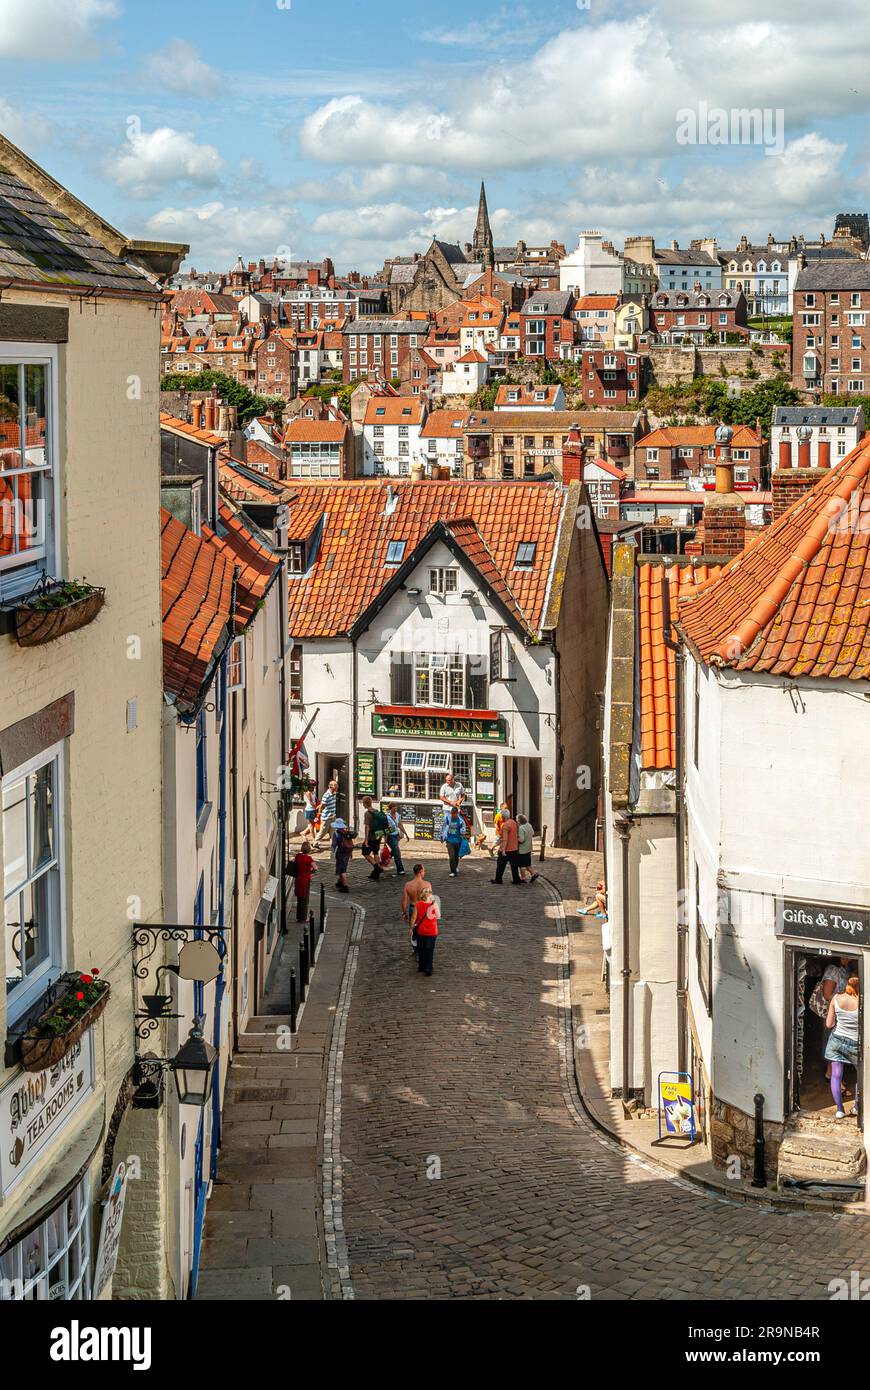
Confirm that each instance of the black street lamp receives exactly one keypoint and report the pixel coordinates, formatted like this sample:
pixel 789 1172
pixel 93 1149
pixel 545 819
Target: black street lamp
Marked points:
pixel 193 1067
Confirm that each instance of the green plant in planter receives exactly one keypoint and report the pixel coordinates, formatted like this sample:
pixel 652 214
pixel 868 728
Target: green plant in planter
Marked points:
pixel 70 591
pixel 74 1005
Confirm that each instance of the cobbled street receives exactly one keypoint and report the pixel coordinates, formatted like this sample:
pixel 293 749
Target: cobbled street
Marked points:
pixel 467 1169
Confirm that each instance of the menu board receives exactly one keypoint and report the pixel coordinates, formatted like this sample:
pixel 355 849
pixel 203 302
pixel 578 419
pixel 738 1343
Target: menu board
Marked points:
pixel 424 824
pixel 365 772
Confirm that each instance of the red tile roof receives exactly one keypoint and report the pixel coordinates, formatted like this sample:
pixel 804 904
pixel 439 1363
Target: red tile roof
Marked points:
pixel 349 570
pixel 395 410
pixel 797 601
pixel 657 671
pixel 444 424
pixel 698 436
pixel 313 431
pixel 175 426
pixel 197 595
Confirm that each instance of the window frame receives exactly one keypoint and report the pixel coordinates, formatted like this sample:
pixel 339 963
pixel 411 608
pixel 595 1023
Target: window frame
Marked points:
pixel 25 995
pixel 19 579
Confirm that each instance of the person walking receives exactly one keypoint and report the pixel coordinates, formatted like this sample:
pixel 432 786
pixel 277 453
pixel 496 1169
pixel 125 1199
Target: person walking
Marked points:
pixel 342 849
pixel 303 868
pixel 411 894
pixel 427 917
pixel 309 799
pixel 454 831
pixel 525 843
pixel 374 826
pixel 452 794
pixel 328 809
pixel 508 852
pixel 394 831
pixel 841 1049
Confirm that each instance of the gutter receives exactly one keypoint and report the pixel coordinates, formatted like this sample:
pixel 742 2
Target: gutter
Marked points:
pixel 623 823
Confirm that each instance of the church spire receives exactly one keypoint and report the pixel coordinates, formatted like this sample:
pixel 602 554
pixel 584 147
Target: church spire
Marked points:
pixel 482 246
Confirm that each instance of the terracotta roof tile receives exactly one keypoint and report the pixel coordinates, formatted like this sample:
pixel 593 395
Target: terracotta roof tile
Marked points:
pixel 797 600
pixel 348 570
pixel 395 410
pixel 657 670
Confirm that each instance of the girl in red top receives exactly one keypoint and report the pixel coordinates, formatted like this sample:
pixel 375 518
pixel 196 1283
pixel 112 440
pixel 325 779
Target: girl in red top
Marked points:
pixel 304 867
pixel 426 925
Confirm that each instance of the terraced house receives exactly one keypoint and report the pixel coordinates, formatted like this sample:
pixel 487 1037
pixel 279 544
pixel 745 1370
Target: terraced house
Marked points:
pixel 80 716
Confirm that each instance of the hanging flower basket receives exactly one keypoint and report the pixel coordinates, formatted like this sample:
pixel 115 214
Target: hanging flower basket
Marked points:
pixel 59 1029
pixel 55 608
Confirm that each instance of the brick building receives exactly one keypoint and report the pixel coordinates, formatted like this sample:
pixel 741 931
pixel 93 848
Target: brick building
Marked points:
pixel 524 443
pixel 380 347
pixel 831 346
pixel 275 364
pixel 698 314
pixel 678 453
pixel 611 377
pixel 547 326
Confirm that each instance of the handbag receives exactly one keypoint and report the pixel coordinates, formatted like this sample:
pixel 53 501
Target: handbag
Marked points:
pixel 464 847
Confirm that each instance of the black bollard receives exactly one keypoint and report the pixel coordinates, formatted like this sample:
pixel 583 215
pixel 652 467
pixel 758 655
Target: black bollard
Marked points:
pixel 312 938
pixel 322 909
pixel 293 1004
pixel 758 1175
pixel 303 968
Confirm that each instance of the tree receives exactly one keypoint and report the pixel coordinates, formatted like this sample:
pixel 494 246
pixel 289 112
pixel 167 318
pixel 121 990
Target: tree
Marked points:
pixel 233 392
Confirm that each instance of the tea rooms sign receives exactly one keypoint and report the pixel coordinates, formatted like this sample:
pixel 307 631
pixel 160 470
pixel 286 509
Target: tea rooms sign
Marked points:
pixel 36 1106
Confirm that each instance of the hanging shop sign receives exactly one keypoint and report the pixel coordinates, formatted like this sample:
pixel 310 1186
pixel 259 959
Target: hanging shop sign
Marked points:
pixel 35 1107
pixel 823 921
pixel 110 1231
pixel 438 726
pixel 366 783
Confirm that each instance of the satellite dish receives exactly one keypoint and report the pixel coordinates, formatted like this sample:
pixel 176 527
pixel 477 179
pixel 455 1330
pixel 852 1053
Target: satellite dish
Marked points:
pixel 198 960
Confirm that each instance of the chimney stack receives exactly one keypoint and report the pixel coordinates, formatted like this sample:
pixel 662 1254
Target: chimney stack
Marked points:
pixel 196 408
pixel 788 484
pixel 572 457
pixel 824 453
pixel 724 510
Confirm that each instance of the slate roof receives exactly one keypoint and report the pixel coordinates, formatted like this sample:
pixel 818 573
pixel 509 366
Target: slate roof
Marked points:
pixel 40 245
pixel 845 274
pixel 381 325
pixel 548 302
pixel 349 571
pixel 816 415
pixel 797 601
pixel 656 660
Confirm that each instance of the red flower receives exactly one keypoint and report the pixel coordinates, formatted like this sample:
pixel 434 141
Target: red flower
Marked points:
pixel 80 995
pixel 94 970
pixel 86 979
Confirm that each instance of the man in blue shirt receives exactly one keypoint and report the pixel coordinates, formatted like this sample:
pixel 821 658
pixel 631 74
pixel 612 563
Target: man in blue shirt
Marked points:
pixel 327 813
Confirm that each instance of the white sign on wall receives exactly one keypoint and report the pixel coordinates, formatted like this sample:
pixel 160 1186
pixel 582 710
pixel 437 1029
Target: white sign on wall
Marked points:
pixel 110 1231
pixel 35 1107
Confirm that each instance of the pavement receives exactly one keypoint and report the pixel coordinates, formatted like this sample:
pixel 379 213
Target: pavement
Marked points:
pixel 445 1149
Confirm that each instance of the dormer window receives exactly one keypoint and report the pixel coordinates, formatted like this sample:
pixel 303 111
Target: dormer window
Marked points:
pixel 296 558
pixel 525 557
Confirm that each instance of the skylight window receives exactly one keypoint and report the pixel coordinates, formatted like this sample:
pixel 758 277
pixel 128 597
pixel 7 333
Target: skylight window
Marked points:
pixel 525 555
pixel 395 552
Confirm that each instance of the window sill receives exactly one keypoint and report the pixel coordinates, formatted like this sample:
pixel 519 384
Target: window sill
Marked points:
pixel 202 821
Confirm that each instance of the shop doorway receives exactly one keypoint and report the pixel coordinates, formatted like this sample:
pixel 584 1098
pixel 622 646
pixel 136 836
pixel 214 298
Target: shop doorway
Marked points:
pixel 812 974
pixel 335 766
pixel 523 788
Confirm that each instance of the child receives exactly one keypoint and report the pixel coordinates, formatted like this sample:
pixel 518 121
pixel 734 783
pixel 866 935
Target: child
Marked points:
pixel 342 848
pixel 304 867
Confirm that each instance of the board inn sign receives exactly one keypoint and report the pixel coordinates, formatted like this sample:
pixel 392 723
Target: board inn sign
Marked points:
pixel 485 728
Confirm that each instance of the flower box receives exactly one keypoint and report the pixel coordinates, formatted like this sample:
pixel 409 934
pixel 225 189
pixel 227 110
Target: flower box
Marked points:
pixel 56 609
pixel 60 1027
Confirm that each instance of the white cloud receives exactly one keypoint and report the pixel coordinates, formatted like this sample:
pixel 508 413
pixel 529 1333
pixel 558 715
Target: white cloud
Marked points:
pixel 151 160
pixel 52 30
pixel 217 233
pixel 180 68
pixel 516 27
pixel 27 129
pixel 606 89
pixel 370 185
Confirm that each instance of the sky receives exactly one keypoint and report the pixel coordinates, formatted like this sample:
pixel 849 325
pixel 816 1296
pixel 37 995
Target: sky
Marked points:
pixel 309 128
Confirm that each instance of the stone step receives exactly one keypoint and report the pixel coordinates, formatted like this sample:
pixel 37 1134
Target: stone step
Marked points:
pixel 267 1023
pixel 822 1153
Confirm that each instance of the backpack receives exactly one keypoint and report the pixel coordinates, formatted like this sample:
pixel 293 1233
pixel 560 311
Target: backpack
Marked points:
pixel 379 823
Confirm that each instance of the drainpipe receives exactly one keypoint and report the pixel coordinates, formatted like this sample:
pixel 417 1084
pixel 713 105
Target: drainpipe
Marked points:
pixel 351 776
pixel 623 823
pixel 220 983
pixel 679 789
pixel 285 736
pixel 234 782
pixel 557 811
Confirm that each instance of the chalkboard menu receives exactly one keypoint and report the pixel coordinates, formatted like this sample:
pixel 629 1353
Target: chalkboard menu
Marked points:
pixel 424 824
pixel 365 773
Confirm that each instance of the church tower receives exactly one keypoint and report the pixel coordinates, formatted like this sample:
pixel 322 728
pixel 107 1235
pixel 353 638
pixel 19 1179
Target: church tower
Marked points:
pixel 482 246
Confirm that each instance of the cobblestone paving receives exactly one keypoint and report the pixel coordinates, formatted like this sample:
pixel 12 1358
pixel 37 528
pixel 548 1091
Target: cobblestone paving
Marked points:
pixel 460 1074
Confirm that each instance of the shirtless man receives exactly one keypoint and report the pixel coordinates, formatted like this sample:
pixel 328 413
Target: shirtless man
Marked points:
pixel 411 896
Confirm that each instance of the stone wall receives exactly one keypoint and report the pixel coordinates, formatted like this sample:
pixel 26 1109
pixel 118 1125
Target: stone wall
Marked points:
pixel 669 365
pixel 732 1133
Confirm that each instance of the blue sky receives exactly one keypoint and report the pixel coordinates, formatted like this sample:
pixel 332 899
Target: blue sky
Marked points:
pixel 361 130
